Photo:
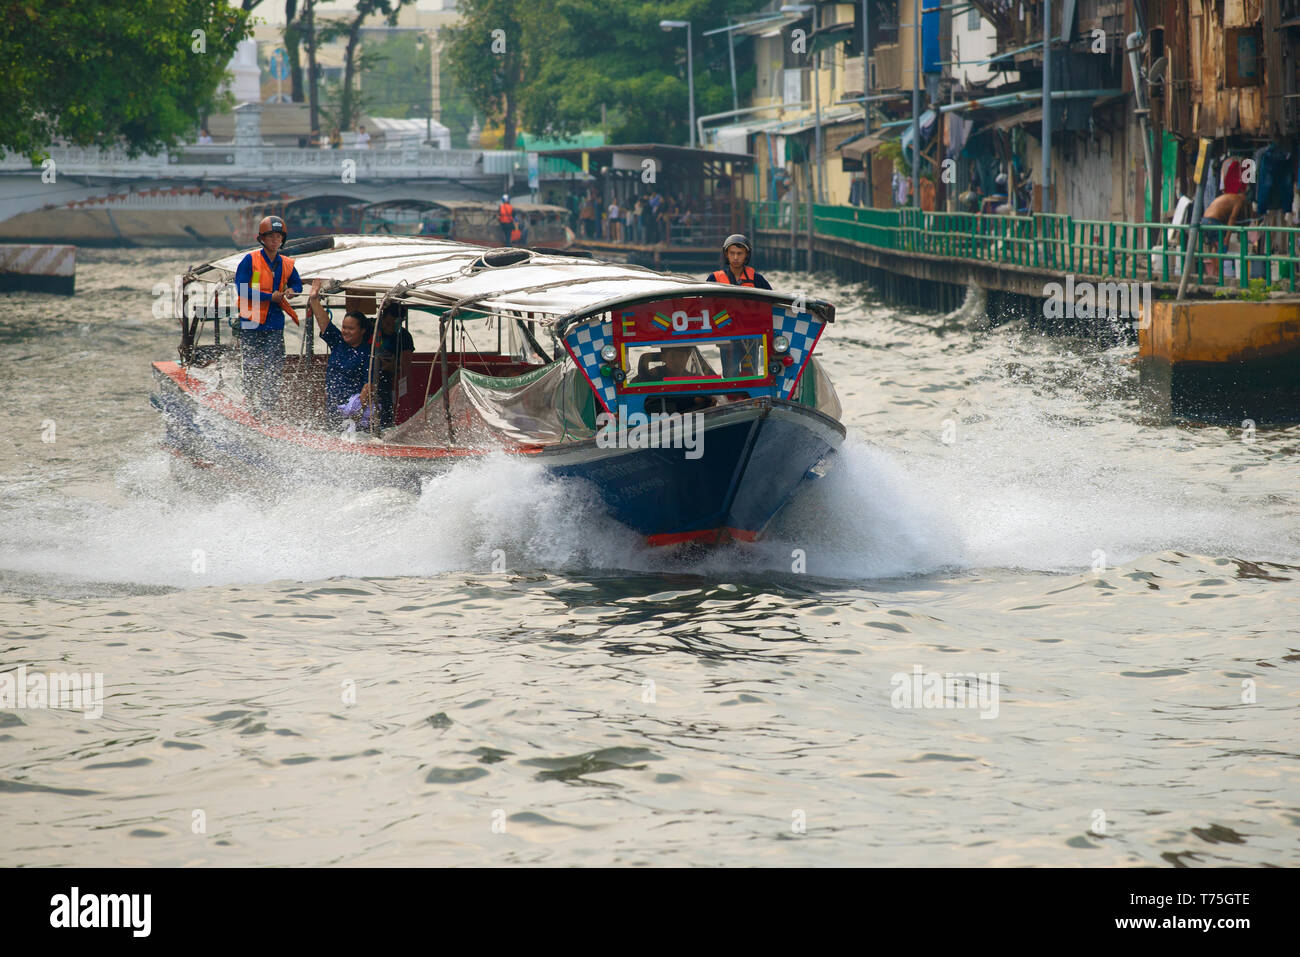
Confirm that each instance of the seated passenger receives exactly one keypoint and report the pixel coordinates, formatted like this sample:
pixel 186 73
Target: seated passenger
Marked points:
pixel 349 361
pixel 391 355
pixel 673 364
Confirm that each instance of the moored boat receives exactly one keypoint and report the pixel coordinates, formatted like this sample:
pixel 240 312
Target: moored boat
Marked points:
pixel 694 410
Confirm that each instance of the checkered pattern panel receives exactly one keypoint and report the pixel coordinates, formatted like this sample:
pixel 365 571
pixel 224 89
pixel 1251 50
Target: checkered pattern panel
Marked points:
pixel 802 330
pixel 585 344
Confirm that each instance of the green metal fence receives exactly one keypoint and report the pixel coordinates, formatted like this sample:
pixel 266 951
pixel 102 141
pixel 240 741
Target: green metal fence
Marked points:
pixel 1153 252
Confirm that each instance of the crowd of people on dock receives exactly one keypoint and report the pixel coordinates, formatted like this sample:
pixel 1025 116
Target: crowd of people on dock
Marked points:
pixel 651 218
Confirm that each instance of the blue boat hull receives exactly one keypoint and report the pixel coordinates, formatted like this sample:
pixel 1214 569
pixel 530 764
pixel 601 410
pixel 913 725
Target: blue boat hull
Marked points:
pixel 752 457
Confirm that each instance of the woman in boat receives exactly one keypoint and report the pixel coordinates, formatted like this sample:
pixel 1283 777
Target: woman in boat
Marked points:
pixel 349 362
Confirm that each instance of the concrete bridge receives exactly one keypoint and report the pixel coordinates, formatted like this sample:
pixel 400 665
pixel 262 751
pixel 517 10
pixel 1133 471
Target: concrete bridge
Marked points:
pixel 249 158
pixel 205 194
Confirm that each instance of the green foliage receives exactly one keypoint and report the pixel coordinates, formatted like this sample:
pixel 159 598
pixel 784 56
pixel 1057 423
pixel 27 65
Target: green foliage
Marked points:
pixel 892 150
pixel 395 77
pixel 1256 291
pixel 346 106
pixel 457 110
pixel 107 73
pixel 564 59
pixel 366 100
pixel 486 52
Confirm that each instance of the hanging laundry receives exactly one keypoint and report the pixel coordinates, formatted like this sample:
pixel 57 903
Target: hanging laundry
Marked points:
pixel 1232 176
pixel 1273 184
pixel 927 195
pixel 900 186
pixel 1258 158
pixel 958 131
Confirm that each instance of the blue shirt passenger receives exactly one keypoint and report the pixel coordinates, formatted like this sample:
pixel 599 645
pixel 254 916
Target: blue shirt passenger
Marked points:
pixel 349 362
pixel 349 365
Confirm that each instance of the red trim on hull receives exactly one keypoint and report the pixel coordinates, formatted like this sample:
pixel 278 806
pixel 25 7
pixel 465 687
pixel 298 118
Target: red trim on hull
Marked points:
pixel 197 463
pixel 212 399
pixel 711 536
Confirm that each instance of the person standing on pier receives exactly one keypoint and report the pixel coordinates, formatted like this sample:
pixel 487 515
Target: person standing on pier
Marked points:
pixel 262 281
pixel 736 270
pixel 1224 211
pixel 635 232
pixel 612 221
pixel 587 217
pixel 505 219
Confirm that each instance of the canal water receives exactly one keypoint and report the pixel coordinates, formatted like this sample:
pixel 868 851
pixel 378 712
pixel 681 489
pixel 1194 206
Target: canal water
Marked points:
pixel 491 672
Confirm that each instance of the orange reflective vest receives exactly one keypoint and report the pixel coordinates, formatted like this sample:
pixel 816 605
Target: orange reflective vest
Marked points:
pixel 264 280
pixel 746 277
pixel 505 213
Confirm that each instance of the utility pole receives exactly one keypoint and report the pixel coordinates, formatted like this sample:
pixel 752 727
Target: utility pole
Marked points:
pixel 731 57
pixel 1193 234
pixel 690 66
pixel 916 104
pixel 1046 206
pixel 690 79
pixel 817 122
pixel 311 65
pixel 866 94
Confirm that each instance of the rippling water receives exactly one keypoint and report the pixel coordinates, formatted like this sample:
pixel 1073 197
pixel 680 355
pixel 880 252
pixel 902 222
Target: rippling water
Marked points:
pixel 341 678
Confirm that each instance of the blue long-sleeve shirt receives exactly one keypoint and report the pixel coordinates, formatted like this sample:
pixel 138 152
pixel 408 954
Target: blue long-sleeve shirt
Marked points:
pixel 348 367
pixel 244 282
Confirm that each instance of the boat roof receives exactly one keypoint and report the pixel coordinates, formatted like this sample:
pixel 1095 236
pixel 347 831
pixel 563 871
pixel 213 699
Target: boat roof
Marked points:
pixel 546 286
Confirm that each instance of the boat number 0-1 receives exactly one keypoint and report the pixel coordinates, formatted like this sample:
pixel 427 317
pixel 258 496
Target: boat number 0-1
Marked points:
pixel 682 321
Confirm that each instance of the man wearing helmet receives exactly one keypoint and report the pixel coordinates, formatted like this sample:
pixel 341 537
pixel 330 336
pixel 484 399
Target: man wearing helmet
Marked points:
pixel 505 219
pixel 262 282
pixel 736 270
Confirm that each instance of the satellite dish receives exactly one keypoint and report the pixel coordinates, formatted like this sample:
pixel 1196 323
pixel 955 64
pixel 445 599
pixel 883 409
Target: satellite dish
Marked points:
pixel 1157 72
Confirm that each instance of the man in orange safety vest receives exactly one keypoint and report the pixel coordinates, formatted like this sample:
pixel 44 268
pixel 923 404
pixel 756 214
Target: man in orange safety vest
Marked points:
pixel 263 280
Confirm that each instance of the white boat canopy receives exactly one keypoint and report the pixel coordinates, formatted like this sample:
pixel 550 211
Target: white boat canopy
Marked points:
pixel 447 276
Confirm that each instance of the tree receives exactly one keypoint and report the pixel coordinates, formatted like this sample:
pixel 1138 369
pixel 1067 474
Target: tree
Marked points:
pixel 621 57
pixel 563 59
pixel 348 107
pixel 293 38
pixel 104 73
pixel 396 77
pixel 486 53
pixel 457 113
pixel 300 34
